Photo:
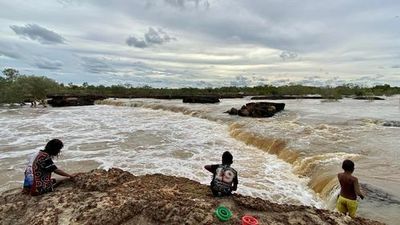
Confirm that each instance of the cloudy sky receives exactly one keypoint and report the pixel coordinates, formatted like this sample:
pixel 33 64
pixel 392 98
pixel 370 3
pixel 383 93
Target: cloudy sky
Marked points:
pixel 203 43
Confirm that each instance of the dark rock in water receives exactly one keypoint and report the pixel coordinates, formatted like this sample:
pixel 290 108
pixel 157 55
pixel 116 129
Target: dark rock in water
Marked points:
pixel 73 100
pixel 200 99
pixel 391 123
pixel 258 109
pixel 280 97
pixel 368 98
pixel 117 197
pixel 232 111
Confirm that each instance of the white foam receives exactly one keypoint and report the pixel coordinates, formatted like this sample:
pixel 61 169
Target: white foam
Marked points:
pixel 145 141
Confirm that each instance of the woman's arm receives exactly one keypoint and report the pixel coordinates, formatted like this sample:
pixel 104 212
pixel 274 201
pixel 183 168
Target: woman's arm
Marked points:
pixel 62 173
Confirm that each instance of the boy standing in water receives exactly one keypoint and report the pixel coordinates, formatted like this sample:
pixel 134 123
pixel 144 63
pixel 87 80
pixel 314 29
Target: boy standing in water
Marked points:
pixel 38 171
pixel 225 179
pixel 350 188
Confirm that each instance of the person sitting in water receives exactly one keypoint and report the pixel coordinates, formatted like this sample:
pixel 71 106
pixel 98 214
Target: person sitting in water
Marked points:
pixel 225 178
pixel 349 189
pixel 38 171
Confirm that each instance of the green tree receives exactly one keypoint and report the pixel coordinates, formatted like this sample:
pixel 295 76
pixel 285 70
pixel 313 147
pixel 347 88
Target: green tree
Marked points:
pixel 11 74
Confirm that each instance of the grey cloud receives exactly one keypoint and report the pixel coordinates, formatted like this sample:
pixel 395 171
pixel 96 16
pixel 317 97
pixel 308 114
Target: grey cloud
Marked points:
pixel 44 63
pixel 176 3
pixel 182 4
pixel 396 66
pixel 38 33
pixel 288 55
pixel 203 84
pixel 319 81
pixel 157 37
pixel 10 50
pixel 370 80
pixel 152 37
pixel 281 82
pixel 96 65
pixel 240 81
pixel 132 41
pixel 65 2
pixel 9 54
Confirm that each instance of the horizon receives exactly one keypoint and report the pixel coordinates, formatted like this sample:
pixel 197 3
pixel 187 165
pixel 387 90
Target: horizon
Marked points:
pixel 203 43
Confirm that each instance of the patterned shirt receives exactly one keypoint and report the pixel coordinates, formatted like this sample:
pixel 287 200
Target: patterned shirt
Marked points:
pixel 38 174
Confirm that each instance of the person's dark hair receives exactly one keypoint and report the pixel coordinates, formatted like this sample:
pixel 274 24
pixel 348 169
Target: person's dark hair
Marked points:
pixel 348 165
pixel 227 158
pixel 53 147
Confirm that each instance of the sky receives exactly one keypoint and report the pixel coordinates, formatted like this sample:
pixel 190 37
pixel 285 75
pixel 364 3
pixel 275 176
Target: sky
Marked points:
pixel 203 43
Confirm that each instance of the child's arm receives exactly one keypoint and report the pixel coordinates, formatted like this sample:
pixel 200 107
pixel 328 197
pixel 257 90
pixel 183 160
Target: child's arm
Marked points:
pixel 62 173
pixel 211 168
pixel 357 189
pixel 235 183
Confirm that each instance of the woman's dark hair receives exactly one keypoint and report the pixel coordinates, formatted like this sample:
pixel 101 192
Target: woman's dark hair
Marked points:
pixel 227 158
pixel 53 147
pixel 348 165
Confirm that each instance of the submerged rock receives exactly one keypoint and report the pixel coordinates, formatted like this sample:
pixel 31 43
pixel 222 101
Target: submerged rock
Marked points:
pixel 391 123
pixel 200 99
pixel 63 100
pixel 368 98
pixel 258 109
pixel 118 197
pixel 280 97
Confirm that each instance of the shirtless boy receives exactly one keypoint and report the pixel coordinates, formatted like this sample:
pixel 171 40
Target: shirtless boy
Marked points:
pixel 350 188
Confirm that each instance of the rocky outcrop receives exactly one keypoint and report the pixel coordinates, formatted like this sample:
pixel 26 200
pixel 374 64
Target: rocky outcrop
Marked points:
pixel 391 123
pixel 73 100
pixel 368 98
pixel 258 109
pixel 118 197
pixel 280 97
pixel 200 99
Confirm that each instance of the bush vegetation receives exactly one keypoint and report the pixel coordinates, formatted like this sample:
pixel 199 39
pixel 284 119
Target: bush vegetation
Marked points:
pixel 16 88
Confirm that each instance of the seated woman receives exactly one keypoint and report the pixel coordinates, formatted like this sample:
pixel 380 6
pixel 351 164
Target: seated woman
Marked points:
pixel 38 171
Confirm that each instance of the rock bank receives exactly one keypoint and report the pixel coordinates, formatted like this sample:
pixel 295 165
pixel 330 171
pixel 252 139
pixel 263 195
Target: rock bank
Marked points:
pixel 118 197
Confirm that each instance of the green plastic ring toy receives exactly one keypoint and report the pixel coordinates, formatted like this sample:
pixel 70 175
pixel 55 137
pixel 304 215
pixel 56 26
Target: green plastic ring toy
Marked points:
pixel 223 213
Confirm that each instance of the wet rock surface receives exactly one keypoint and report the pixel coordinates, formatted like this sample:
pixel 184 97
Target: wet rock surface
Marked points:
pixel 281 97
pixel 391 123
pixel 63 100
pixel 368 98
pixel 200 99
pixel 118 197
pixel 258 109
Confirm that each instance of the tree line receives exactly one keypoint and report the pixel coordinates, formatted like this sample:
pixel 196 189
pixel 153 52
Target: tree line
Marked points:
pixel 17 88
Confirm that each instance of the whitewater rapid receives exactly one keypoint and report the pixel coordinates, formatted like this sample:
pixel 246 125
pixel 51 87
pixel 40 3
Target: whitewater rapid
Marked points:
pixel 144 141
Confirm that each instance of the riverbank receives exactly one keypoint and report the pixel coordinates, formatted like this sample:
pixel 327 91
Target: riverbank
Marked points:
pixel 118 197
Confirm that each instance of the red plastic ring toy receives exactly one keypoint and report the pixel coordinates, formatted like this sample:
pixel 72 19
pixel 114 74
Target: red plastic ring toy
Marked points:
pixel 249 220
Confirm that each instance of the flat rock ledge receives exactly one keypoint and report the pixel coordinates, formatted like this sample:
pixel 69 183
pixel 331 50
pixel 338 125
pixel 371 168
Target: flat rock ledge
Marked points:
pixel 118 197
